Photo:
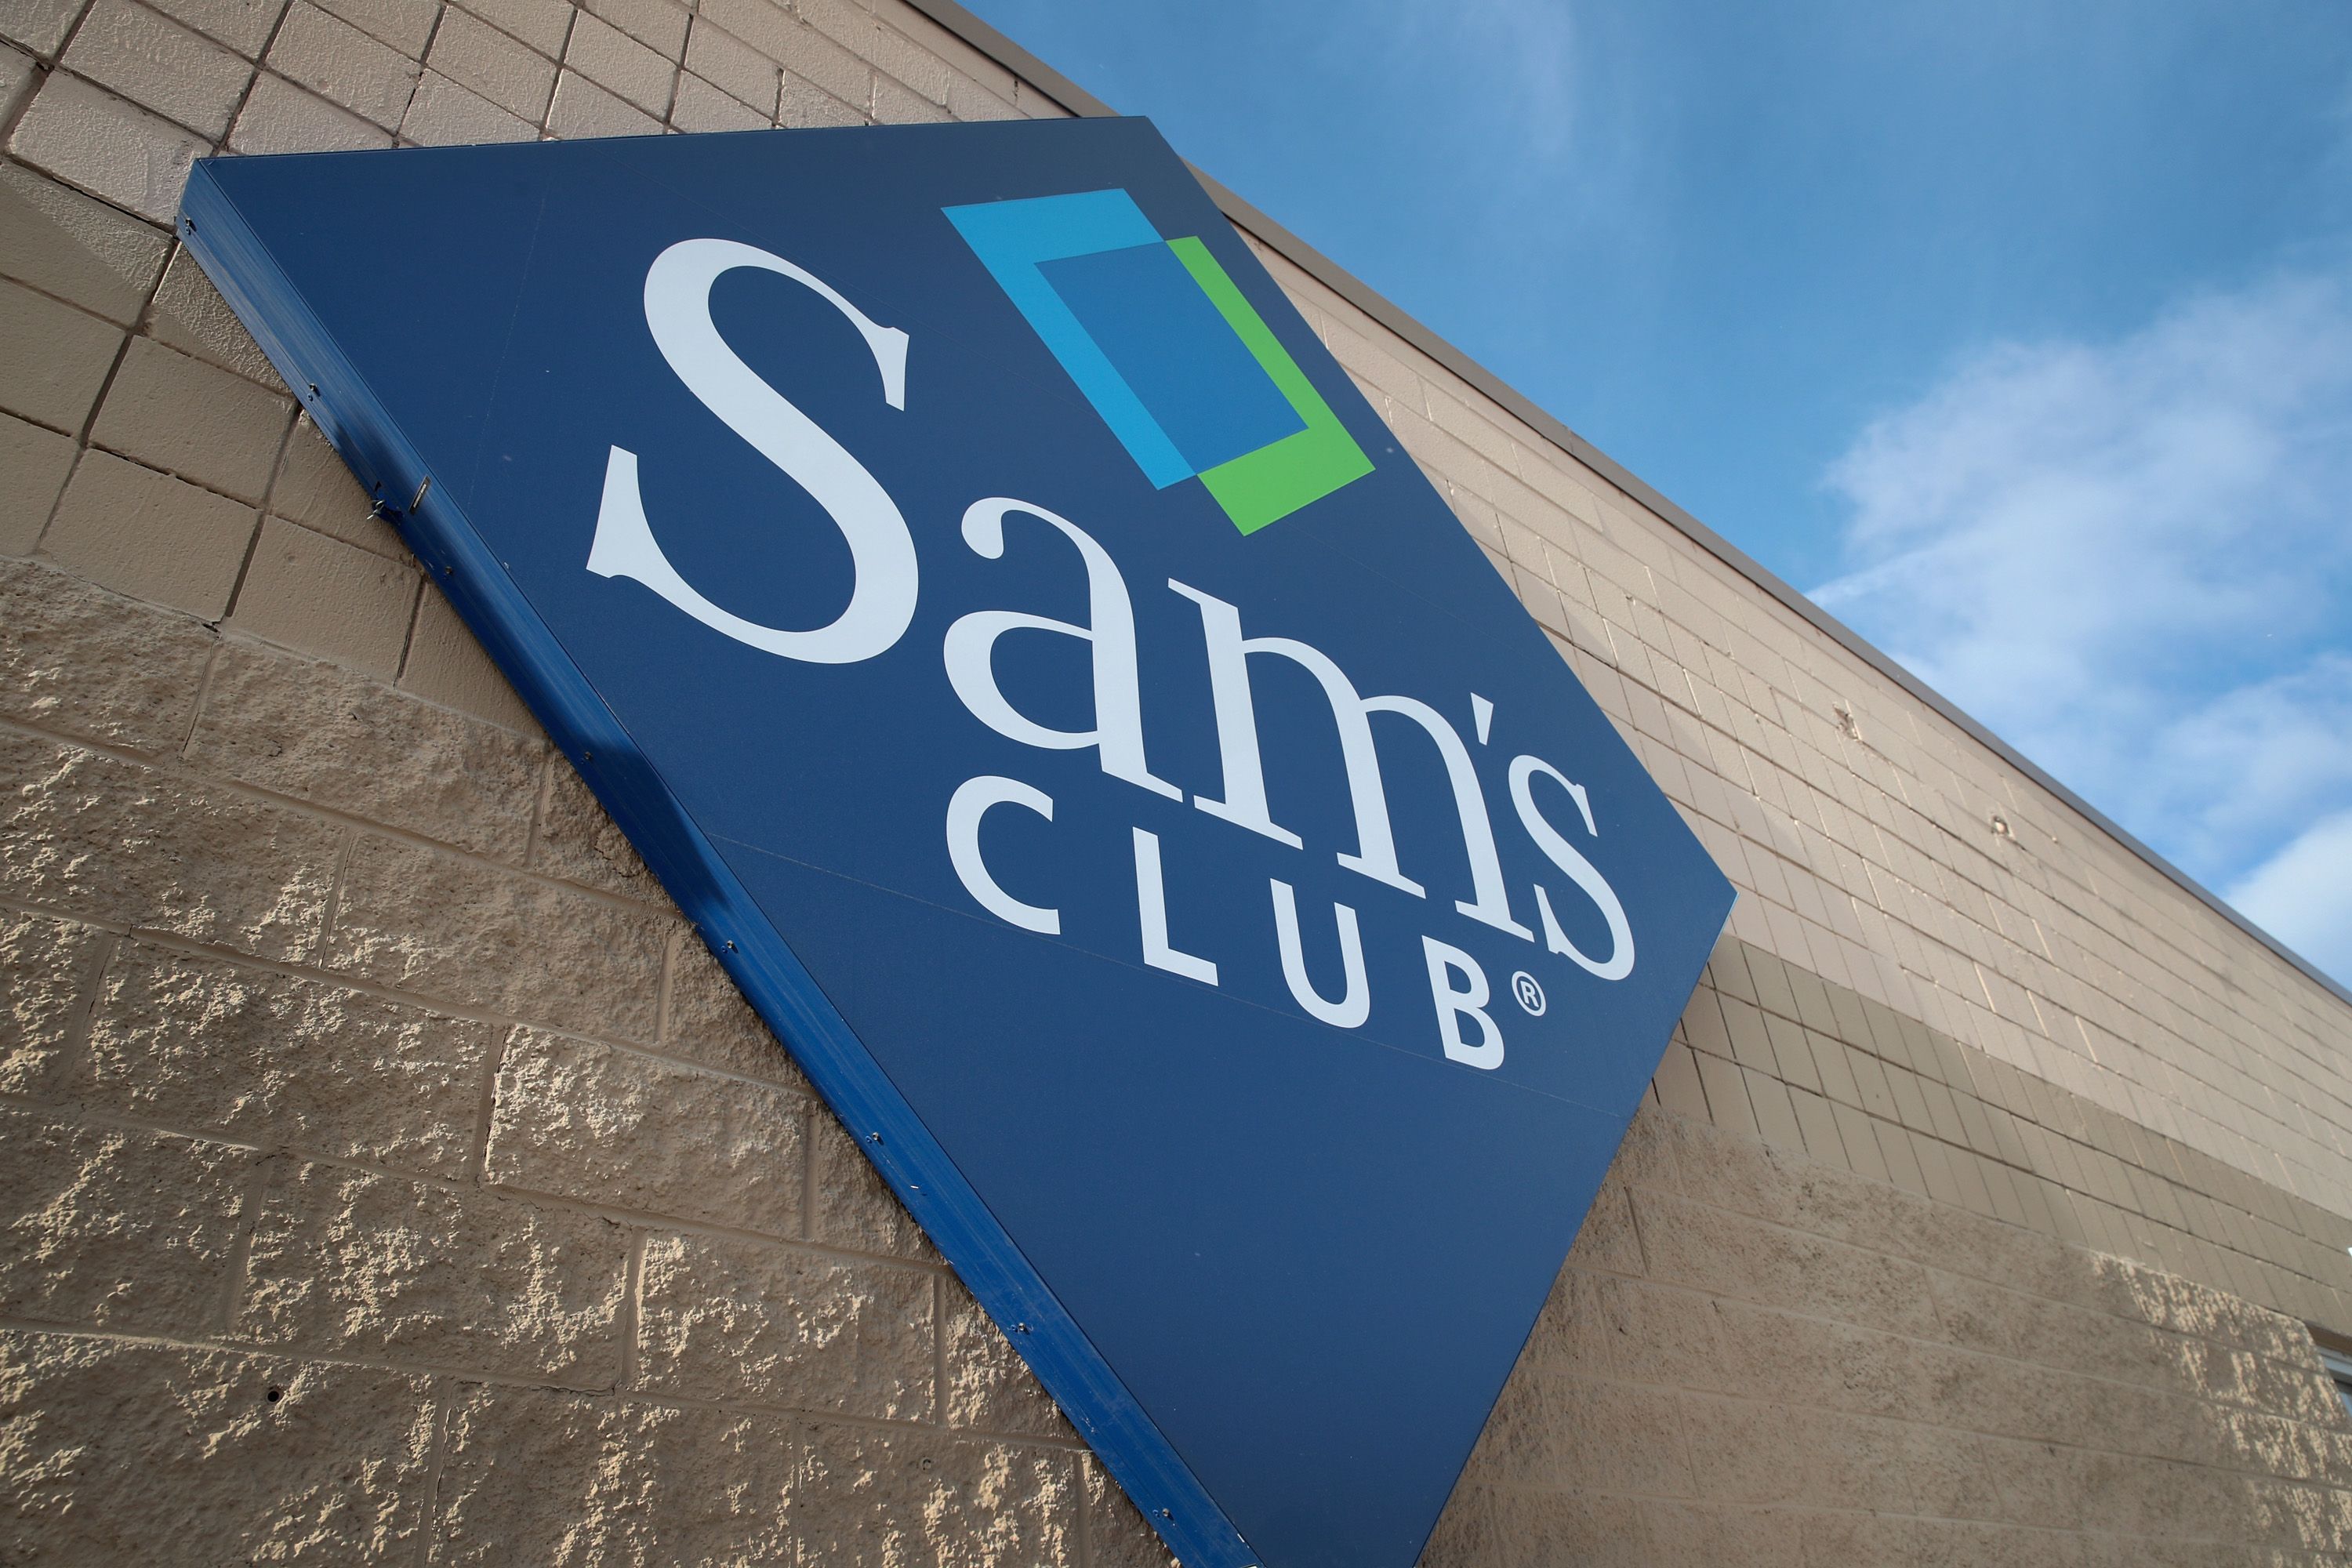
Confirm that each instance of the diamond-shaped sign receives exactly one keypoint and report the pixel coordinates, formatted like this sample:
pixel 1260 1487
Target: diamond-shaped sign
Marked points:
pixel 1080 729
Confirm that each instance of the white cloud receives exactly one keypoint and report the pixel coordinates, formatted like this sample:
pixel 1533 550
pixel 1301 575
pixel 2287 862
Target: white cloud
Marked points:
pixel 2133 560
pixel 2303 894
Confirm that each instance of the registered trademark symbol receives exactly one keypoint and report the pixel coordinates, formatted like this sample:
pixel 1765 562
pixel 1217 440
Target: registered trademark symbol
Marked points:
pixel 1530 994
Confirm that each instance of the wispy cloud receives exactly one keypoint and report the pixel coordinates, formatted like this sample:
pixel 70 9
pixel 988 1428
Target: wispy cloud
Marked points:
pixel 2133 559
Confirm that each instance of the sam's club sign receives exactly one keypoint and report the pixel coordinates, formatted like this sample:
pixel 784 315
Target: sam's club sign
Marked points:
pixel 1084 734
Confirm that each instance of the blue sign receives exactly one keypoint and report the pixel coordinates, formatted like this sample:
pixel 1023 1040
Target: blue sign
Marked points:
pixel 1084 734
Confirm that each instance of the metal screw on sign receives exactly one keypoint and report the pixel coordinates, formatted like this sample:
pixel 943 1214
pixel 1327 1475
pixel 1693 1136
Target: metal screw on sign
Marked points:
pixel 1529 993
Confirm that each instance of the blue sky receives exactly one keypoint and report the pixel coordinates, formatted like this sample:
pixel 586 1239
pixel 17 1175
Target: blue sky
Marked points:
pixel 2018 335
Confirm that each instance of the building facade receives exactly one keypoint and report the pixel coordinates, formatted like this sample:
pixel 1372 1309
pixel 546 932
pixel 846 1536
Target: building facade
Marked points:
pixel 390 1175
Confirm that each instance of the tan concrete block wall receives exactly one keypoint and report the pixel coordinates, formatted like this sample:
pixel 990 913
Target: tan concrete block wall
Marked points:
pixel 339 1235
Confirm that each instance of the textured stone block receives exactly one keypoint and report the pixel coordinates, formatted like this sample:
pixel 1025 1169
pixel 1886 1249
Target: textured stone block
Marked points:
pixel 84 252
pixel 190 418
pixel 1694 1245
pixel 734 67
pixel 802 105
pixel 342 65
pixel 455 928
pixel 1580 1326
pixel 444 114
pixel 351 1263
pixel 58 359
pixel 580 843
pixel 314 488
pixel 135 1452
pixel 107 145
pixel 1581 1528
pixel 768 1324
pixel 150 536
pixel 877 1497
pixel 1783 1356
pixel 445 665
pixel 1753 1538
pixel 279 117
pixel 1117 1536
pixel 1607 1240
pixel 280 1061
pixel 609 1127
pixel 318 595
pixel 479 57
pixel 405 25
pixel 897 105
pixel 659 25
pixel 855 1209
pixel 1549 1430
pixel 82 661
pixel 318 733
pixel 542 25
pixel 612 58
pixel 582 109
pixel 115 1228
pixel 243 25
pixel 160 65
pixel 90 835
pixel 41 26
pixel 51 966
pixel 701 107
pixel 988 1385
pixel 534 1475
pixel 708 1021
pixel 190 315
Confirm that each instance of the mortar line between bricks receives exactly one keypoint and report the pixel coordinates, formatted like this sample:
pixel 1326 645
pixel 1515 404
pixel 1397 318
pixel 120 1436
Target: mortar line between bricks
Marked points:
pixel 170 767
pixel 2044 1370
pixel 2011 1438
pixel 417 82
pixel 204 690
pixel 1802 1511
pixel 632 1310
pixel 81 1113
pixel 79 1020
pixel 810 1112
pixel 486 1101
pixel 57 502
pixel 444 1394
pixel 106 386
pixel 238 1274
pixel 81 19
pixel 542 796
pixel 1745 1218
pixel 333 904
pixel 939 1351
pixel 253 539
pixel 260 63
pixel 297 1355
pixel 409 1001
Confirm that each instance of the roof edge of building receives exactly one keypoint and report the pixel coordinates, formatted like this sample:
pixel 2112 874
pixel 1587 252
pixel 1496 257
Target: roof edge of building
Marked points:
pixel 989 41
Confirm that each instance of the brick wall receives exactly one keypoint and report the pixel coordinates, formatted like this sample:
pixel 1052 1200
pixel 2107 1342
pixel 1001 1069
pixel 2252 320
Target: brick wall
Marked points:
pixel 389 1175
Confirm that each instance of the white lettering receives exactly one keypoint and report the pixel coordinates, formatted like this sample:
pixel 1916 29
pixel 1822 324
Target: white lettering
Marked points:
pixel 965 808
pixel 1118 734
pixel 1151 911
pixel 882 553
pixel 1244 801
pixel 1453 1005
pixel 1355 1003
pixel 1564 854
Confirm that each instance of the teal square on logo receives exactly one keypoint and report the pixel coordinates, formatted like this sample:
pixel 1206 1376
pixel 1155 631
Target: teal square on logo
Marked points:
pixel 1186 365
